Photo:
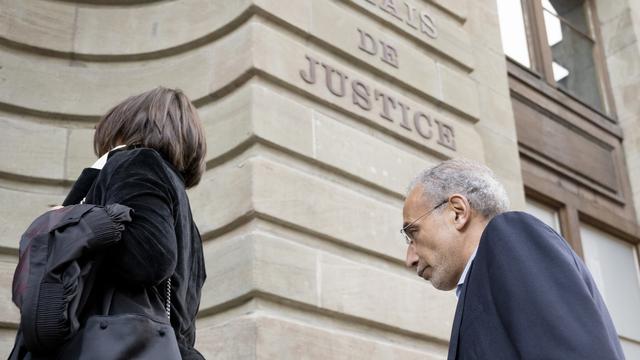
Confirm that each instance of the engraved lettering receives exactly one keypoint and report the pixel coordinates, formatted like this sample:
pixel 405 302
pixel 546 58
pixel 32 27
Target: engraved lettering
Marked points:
pixel 414 16
pixel 364 95
pixel 427 26
pixel 367 43
pixel 390 7
pixel 361 95
pixel 310 77
pixel 405 115
pixel 389 54
pixel 419 115
pixel 329 71
pixel 386 100
pixel 446 136
pixel 412 19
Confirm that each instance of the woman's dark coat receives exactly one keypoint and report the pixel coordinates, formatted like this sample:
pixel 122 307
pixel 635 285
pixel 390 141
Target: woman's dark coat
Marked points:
pixel 161 241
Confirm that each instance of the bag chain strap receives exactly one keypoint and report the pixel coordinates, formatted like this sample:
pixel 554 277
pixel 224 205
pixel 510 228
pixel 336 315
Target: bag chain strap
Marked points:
pixel 167 306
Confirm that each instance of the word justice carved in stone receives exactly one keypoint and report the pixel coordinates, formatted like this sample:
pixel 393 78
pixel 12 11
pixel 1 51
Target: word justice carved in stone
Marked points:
pixel 404 11
pixel 390 108
pixel 368 44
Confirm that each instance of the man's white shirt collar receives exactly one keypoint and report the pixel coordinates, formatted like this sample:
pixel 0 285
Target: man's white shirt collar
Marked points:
pixel 464 273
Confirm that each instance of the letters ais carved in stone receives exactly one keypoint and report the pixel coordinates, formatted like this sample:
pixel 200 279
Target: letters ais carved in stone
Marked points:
pixel 389 107
pixel 406 12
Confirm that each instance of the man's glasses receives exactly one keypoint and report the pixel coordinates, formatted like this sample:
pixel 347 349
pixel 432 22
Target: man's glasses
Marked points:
pixel 403 231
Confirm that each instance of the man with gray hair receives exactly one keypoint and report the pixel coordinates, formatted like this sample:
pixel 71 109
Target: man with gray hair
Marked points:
pixel 522 292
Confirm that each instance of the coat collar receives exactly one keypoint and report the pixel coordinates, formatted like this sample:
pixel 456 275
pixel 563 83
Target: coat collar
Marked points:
pixel 457 319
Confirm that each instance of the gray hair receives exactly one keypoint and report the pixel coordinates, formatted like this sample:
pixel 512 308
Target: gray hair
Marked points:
pixel 475 181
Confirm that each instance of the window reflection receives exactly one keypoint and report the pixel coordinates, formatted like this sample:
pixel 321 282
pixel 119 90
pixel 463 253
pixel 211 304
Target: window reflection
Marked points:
pixel 571 45
pixel 512 30
pixel 571 11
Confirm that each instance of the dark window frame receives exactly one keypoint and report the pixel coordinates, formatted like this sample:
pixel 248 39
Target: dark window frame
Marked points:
pixel 541 59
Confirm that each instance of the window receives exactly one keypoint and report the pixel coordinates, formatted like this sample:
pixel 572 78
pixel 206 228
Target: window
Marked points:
pixel 554 39
pixel 614 265
pixel 547 214
pixel 512 31
pixel 571 44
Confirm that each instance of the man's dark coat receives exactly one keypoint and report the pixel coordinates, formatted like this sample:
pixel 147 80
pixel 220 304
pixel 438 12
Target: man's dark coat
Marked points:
pixel 527 295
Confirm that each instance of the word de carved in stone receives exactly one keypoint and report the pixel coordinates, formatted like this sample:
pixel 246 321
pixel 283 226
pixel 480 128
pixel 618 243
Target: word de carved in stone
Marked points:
pixel 389 107
pixel 368 44
pixel 405 12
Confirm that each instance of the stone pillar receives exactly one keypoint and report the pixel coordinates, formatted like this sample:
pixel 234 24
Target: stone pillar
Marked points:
pixel 620 29
pixel 318 114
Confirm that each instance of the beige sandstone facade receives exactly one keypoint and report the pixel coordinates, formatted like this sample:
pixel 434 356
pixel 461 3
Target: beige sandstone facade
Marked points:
pixel 318 113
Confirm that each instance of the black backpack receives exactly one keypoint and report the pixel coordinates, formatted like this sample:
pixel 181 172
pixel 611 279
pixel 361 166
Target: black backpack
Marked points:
pixel 58 255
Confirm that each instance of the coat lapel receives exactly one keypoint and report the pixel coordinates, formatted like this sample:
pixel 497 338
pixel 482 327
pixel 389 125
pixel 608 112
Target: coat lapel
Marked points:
pixel 457 319
pixel 455 331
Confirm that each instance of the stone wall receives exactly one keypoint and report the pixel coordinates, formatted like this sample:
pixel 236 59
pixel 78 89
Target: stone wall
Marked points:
pixel 318 113
pixel 618 22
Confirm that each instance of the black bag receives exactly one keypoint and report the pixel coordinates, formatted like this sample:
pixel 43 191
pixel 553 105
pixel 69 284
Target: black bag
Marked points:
pixel 124 336
pixel 56 268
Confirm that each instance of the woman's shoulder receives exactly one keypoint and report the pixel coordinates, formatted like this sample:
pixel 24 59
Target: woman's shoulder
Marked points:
pixel 137 154
pixel 140 160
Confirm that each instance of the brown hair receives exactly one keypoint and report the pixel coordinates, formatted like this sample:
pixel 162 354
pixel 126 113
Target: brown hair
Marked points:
pixel 161 119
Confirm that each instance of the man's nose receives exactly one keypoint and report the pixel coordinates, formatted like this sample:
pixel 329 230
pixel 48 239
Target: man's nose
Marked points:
pixel 412 258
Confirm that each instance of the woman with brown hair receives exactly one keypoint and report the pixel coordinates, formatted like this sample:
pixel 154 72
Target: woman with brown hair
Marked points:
pixel 151 148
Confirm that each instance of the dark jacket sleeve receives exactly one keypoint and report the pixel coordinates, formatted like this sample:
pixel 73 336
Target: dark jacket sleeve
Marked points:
pixel 147 253
pixel 81 187
pixel 545 297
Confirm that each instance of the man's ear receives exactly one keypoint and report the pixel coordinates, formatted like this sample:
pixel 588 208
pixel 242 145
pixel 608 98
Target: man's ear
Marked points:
pixel 462 210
